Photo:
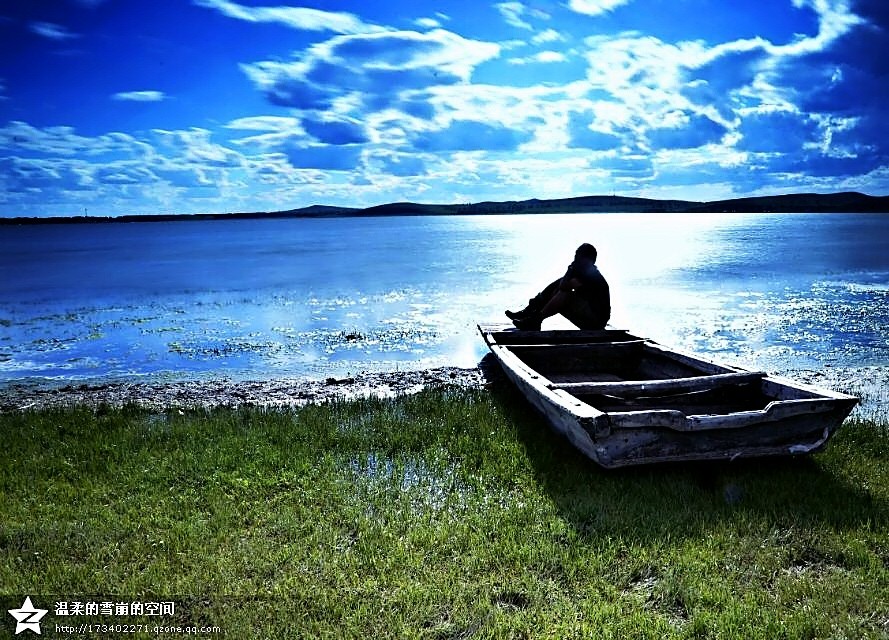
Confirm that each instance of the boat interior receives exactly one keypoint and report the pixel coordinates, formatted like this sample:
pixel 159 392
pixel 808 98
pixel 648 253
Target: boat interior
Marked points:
pixel 615 371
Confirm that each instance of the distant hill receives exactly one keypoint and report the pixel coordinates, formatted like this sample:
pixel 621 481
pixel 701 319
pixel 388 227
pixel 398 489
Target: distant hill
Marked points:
pixel 582 204
pixel 849 202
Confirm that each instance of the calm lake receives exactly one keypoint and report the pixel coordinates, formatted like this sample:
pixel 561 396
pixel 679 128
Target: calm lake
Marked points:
pixel 328 297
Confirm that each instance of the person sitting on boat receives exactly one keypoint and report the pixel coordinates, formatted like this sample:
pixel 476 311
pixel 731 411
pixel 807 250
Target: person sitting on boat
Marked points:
pixel 581 295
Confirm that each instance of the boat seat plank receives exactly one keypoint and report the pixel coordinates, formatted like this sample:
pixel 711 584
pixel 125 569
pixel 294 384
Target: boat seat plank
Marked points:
pixel 505 334
pixel 635 388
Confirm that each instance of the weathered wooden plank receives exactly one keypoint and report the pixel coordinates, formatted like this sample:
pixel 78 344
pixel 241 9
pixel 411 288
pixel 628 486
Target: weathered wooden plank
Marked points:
pixel 796 437
pixel 728 399
pixel 636 388
pixel 585 346
pixel 677 420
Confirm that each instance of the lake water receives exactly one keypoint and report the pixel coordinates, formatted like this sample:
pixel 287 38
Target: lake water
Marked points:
pixel 328 297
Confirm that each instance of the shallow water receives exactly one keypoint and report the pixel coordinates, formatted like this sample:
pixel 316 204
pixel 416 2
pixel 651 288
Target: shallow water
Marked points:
pixel 265 299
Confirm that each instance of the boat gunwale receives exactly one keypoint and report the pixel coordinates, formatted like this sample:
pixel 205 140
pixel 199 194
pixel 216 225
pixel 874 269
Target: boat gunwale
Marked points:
pixel 693 360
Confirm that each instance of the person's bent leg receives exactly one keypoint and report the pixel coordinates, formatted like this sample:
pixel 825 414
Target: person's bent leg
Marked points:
pixel 533 320
pixel 557 303
pixel 537 303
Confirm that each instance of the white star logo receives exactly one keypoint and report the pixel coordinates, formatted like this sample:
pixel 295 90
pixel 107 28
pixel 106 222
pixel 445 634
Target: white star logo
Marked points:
pixel 27 617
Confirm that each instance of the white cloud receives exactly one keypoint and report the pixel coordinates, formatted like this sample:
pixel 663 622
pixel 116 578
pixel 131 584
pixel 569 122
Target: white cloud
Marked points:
pixel 194 146
pixel 835 19
pixel 635 62
pixel 139 96
pixel 179 170
pixel 264 123
pixel 22 138
pixel 512 12
pixel 427 23
pixel 353 71
pixel 550 56
pixel 276 132
pixel 595 7
pixel 548 35
pixel 542 57
pixel 642 76
pixel 301 18
pixel 52 31
pixel 48 177
pixel 513 107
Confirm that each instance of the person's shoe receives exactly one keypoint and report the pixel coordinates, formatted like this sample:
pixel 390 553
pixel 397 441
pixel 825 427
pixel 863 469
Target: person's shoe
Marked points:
pixel 518 315
pixel 528 323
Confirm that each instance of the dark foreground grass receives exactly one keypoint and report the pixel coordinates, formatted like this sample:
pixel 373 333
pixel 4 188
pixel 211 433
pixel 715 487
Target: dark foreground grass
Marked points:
pixel 446 514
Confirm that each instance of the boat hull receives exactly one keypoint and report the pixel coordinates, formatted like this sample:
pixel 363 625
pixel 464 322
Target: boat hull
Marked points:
pixel 624 400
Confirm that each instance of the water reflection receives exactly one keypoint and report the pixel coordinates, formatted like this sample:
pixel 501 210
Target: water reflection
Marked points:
pixel 261 299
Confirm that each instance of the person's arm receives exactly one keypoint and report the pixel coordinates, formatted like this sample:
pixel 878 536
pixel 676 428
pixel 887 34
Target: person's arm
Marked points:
pixel 569 284
pixel 569 280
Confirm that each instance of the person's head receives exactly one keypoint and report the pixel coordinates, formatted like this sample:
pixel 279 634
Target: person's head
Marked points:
pixel 587 252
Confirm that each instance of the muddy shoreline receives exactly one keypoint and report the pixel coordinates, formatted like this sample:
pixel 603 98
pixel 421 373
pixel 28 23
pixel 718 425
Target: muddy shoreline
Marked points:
pixel 870 384
pixel 226 392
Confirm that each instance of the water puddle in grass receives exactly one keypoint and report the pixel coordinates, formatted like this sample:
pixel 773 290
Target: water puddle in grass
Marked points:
pixel 426 486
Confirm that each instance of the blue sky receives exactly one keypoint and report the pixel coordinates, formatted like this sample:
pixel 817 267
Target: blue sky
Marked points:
pixel 186 106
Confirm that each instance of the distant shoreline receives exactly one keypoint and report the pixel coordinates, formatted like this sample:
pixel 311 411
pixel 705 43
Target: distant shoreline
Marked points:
pixel 846 202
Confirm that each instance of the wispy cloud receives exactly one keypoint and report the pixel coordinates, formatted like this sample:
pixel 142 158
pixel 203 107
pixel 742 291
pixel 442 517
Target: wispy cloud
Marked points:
pixel 139 96
pixel 512 12
pixel 427 23
pixel 195 146
pixel 264 123
pixel 52 31
pixel 301 18
pixel 273 132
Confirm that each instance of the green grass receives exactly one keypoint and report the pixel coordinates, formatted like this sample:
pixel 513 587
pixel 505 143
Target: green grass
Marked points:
pixel 446 514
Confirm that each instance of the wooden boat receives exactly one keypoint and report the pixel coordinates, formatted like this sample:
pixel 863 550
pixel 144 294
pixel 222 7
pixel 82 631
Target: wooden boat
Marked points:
pixel 625 400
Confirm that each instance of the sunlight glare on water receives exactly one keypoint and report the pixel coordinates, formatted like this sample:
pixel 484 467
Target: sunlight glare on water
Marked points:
pixel 637 254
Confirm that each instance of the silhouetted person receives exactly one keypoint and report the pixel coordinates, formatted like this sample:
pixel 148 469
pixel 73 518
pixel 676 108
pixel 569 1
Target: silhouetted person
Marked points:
pixel 581 295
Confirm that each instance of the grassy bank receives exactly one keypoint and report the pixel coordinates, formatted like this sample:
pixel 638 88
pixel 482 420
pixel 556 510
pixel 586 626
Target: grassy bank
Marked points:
pixel 446 514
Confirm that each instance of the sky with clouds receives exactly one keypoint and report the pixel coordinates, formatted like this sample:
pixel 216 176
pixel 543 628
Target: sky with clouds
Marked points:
pixel 187 106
